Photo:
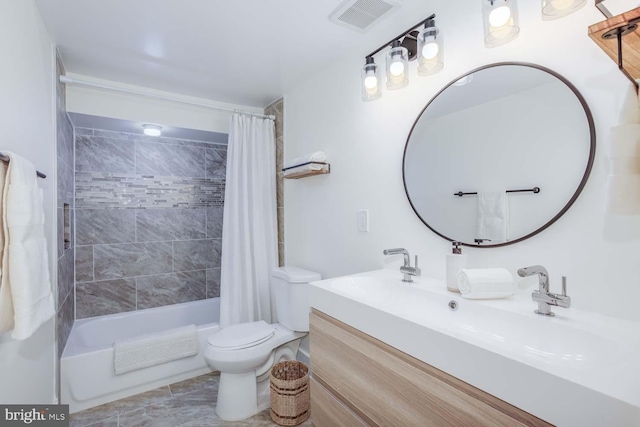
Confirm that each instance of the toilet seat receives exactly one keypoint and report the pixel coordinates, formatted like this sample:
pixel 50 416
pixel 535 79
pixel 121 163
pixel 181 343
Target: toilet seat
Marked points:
pixel 243 335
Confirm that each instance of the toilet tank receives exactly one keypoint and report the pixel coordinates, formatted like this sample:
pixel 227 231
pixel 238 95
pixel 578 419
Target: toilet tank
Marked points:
pixel 291 296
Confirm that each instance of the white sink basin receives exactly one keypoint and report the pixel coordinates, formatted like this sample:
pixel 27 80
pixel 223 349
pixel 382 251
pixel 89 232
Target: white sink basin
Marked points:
pixel 576 368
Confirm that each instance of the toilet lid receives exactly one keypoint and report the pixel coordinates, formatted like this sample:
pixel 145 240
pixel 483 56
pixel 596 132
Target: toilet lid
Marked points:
pixel 243 335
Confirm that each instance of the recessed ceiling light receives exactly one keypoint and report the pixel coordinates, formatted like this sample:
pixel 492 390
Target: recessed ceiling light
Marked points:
pixel 152 130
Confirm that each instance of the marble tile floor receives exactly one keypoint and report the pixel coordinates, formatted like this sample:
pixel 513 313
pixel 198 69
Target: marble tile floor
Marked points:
pixel 189 403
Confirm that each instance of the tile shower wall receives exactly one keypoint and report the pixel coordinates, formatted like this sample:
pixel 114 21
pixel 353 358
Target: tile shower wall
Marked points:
pixel 148 221
pixel 277 109
pixel 64 166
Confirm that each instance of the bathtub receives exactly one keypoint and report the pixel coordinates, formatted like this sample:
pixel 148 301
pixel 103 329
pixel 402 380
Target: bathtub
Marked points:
pixel 87 376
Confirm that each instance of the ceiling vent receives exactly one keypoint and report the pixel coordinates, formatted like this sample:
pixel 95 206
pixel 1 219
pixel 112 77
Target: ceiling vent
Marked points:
pixel 360 15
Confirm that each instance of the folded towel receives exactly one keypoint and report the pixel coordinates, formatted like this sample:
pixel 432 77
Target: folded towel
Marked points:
pixel 317 156
pixel 624 141
pixel 26 300
pixel 493 216
pixel 630 111
pixel 153 349
pixel 485 283
pixel 623 182
pixel 623 194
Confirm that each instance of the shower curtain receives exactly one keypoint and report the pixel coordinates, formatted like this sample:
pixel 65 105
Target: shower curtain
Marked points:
pixel 249 229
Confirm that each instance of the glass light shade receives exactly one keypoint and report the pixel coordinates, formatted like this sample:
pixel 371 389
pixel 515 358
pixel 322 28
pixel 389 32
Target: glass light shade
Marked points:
pixel 500 18
pixel 554 9
pixel 430 51
pixel 397 67
pixel 371 81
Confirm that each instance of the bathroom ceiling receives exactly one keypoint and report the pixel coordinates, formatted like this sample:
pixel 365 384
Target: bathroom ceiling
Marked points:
pixel 247 52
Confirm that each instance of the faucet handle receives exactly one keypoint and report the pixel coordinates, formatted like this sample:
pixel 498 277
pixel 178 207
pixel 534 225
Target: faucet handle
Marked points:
pixel 564 286
pixel 416 261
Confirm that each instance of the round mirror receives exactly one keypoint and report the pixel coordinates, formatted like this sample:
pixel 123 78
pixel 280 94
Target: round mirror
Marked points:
pixel 499 154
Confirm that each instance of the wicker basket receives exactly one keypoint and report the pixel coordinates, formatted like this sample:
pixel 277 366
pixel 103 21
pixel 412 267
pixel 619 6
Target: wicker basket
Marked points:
pixel 289 393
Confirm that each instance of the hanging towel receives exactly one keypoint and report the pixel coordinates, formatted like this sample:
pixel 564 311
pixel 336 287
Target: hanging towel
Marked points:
pixel 485 283
pixel 317 156
pixel 623 182
pixel 153 349
pixel 493 216
pixel 26 301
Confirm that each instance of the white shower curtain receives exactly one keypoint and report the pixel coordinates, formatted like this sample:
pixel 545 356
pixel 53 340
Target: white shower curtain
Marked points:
pixel 249 229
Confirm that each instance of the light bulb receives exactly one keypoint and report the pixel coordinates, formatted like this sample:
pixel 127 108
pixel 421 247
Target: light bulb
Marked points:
pixel 562 4
pixel 430 50
pixel 371 83
pixel 499 16
pixel 396 68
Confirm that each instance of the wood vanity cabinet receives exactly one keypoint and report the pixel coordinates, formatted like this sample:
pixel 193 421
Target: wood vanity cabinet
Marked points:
pixel 359 381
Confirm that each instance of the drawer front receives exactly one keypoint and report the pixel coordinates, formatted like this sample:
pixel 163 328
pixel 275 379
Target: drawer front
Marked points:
pixel 392 388
pixel 327 411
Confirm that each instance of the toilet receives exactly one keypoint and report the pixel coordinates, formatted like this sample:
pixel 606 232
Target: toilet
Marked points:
pixel 244 353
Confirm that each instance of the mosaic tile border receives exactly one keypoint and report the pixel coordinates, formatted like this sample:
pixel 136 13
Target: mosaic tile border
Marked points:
pixel 99 190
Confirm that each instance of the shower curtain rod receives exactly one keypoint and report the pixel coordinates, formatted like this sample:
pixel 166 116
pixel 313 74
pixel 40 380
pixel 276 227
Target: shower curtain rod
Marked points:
pixel 80 82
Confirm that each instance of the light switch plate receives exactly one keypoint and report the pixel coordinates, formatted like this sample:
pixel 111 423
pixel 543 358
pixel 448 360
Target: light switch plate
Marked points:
pixel 363 220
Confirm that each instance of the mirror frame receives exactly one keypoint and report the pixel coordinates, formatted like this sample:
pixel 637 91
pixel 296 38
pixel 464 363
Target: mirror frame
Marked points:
pixel 585 177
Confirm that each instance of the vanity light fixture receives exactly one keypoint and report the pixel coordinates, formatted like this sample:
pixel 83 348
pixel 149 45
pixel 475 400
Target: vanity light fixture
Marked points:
pixel 500 18
pixel 152 130
pixel 424 44
pixel 554 9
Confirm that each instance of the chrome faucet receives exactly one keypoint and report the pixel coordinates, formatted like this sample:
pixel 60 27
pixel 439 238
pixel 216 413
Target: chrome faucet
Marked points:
pixel 542 296
pixel 406 269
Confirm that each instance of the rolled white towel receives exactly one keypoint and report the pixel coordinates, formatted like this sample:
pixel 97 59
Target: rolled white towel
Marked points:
pixel 485 283
pixel 317 156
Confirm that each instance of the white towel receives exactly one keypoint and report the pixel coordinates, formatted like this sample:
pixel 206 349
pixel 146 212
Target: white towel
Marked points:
pixel 317 156
pixel 26 301
pixel 623 182
pixel 493 216
pixel 485 283
pixel 623 194
pixel 153 349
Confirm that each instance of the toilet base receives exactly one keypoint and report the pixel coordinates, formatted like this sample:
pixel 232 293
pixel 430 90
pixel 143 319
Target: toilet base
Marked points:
pixel 243 395
pixel 237 396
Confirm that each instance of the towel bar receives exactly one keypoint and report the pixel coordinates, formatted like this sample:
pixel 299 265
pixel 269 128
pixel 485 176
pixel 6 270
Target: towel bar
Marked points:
pixel 533 190
pixel 6 160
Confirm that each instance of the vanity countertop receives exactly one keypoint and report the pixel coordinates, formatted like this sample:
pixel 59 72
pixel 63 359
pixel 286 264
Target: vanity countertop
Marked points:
pixel 577 368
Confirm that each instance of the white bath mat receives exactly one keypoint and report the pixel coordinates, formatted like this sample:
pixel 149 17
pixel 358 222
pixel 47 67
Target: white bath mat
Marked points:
pixel 153 349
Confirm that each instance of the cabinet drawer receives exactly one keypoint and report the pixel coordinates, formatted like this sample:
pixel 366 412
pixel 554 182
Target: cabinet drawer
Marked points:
pixel 391 388
pixel 327 411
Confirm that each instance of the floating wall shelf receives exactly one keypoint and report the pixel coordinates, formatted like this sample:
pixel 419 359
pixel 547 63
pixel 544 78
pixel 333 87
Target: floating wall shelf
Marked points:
pixel 325 169
pixel 619 37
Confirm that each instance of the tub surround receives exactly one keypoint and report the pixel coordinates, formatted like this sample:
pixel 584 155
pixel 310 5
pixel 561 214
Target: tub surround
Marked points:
pixel 586 356
pixel 65 220
pixel 149 220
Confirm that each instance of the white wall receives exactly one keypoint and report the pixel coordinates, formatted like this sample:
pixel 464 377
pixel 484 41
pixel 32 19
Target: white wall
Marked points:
pixel 27 114
pixel 364 143
pixel 107 103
